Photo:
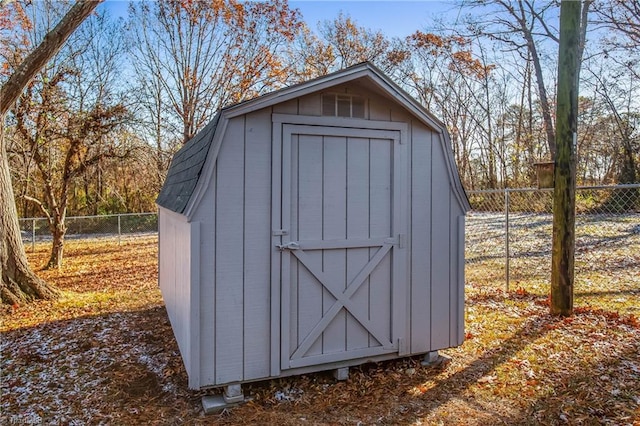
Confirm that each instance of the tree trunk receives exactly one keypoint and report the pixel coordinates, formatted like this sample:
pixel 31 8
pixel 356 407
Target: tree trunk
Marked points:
pixel 19 284
pixel 58 231
pixel 628 171
pixel 564 195
pixel 542 93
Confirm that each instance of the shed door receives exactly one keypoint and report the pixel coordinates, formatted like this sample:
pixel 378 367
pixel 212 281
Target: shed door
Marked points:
pixel 342 257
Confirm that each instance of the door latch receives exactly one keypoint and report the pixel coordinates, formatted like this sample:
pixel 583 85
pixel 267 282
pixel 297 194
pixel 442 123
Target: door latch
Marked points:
pixel 289 246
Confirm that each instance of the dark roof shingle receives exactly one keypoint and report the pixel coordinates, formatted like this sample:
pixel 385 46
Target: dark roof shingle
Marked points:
pixel 186 168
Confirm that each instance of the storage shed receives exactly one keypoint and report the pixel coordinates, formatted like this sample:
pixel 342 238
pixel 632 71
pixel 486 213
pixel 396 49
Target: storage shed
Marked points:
pixel 313 228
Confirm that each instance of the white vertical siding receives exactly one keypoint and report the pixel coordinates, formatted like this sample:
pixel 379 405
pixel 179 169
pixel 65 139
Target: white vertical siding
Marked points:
pixel 453 273
pixel 458 320
pixel 402 301
pixel 289 107
pixel 310 105
pixel 175 277
pixel 379 111
pixel 437 248
pixel 235 256
pixel 380 208
pixel 193 261
pixel 334 214
pixel 358 228
pixel 380 108
pixel 306 224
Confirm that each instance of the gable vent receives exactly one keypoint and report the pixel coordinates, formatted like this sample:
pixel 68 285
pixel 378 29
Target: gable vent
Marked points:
pixel 338 105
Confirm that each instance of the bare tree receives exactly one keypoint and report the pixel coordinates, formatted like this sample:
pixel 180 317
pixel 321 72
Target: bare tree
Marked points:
pixel 49 46
pixel 192 58
pixel 524 26
pixel 340 43
pixel 622 16
pixel 615 86
pixel 19 283
pixel 618 95
pixel 449 80
pixel 351 43
pixel 65 116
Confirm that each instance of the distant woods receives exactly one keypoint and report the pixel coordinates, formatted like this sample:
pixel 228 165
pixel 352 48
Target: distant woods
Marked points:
pixel 95 130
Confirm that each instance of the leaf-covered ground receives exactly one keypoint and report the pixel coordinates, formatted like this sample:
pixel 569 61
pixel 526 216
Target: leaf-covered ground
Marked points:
pixel 105 354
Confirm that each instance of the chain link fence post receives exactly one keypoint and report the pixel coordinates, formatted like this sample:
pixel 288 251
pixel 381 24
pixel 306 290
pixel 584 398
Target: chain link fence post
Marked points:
pixel 33 236
pixel 513 228
pixel 506 238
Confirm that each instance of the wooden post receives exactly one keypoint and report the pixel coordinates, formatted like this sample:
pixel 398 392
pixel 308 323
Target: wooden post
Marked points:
pixel 564 200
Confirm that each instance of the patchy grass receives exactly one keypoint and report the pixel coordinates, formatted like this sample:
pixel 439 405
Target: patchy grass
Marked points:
pixel 105 354
pixel 98 277
pixel 607 257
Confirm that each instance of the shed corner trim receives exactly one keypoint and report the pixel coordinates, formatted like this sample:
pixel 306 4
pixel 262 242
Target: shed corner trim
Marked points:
pixel 194 307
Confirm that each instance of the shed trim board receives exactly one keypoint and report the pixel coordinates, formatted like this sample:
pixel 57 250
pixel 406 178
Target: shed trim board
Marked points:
pixel 461 278
pixel 277 230
pixel 195 305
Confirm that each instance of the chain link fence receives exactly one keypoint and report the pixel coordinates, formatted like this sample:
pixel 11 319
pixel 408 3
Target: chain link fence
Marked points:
pixel 509 230
pixel 512 229
pixel 114 226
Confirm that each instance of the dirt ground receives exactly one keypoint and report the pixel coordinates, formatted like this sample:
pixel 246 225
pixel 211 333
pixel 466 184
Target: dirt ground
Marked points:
pixel 105 354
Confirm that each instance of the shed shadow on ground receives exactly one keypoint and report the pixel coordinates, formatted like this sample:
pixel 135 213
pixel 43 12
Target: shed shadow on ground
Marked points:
pixel 585 397
pixel 455 385
pixel 607 293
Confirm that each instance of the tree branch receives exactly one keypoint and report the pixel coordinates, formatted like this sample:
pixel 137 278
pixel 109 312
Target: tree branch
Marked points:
pixel 40 205
pixel 50 45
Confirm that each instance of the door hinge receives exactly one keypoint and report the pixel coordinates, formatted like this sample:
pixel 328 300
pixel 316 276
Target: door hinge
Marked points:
pixel 402 240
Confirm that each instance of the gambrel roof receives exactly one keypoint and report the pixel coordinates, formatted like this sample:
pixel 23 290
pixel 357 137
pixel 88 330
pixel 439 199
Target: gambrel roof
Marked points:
pixel 185 169
pixel 192 166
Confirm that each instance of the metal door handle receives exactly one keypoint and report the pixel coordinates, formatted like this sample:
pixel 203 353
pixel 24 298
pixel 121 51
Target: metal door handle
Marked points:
pixel 289 246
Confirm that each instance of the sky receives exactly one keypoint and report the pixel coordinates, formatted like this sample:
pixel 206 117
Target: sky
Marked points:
pixel 393 18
